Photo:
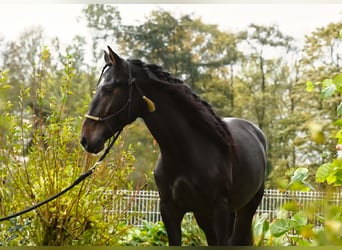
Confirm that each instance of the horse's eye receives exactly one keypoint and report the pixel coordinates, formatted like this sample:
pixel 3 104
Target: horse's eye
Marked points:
pixel 107 90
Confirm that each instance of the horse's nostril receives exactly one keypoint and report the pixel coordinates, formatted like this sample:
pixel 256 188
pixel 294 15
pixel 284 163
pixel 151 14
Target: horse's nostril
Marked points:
pixel 84 142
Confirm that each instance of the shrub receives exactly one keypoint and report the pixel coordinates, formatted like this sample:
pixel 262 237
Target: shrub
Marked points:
pixel 154 234
pixel 35 170
pixel 294 226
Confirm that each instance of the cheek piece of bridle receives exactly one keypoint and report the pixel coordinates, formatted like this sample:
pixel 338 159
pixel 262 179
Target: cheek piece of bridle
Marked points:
pixel 131 84
pixel 151 108
pixel 150 105
pixel 131 81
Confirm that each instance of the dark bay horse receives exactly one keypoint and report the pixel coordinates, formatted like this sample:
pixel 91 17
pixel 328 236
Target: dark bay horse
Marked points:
pixel 212 167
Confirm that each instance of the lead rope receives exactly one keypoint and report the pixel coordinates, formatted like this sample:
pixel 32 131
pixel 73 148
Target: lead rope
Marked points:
pixel 76 182
pixel 151 108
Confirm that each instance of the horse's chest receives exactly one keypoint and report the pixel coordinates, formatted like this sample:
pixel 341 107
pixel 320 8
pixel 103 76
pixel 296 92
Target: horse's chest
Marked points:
pixel 190 193
pixel 188 190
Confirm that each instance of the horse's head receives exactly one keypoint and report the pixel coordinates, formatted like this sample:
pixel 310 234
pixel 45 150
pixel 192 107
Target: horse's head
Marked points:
pixel 118 101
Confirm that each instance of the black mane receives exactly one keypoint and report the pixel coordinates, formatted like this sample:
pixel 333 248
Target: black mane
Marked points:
pixel 155 70
pixel 209 119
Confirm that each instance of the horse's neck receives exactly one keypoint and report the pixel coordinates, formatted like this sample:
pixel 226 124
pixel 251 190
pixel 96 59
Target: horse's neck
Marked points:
pixel 173 129
pixel 166 125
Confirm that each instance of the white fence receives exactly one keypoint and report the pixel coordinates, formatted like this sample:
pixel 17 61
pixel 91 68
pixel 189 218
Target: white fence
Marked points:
pixel 137 206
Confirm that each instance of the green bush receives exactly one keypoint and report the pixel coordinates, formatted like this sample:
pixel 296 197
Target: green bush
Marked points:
pixel 148 235
pixel 294 226
pixel 154 234
pixel 330 172
pixel 32 171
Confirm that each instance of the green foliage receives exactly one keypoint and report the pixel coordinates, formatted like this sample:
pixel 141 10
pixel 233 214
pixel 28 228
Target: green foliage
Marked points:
pixel 260 229
pixel 40 157
pixel 330 172
pixel 192 235
pixel 330 234
pixel 295 226
pixel 154 234
pixel 148 235
pixel 299 180
pixel 4 87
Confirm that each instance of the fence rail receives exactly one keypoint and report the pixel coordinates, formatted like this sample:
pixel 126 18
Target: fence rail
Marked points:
pixel 135 207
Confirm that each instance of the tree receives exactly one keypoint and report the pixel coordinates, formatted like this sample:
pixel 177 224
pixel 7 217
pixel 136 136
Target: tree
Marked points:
pixel 264 88
pixel 331 172
pixel 4 87
pixel 321 60
pixel 24 55
pixel 262 73
pixel 185 46
pixel 104 22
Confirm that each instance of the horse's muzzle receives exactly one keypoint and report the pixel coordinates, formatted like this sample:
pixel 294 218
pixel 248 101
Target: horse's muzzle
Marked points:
pixel 91 147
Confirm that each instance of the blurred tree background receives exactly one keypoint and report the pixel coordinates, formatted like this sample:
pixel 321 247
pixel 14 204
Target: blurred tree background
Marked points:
pixel 259 74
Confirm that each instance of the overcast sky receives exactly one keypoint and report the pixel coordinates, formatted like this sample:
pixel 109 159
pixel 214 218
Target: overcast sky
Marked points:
pixel 61 19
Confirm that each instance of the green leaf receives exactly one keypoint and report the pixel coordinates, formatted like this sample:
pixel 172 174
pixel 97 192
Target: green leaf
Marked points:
pixel 331 179
pixel 323 172
pixel 303 242
pixel 261 226
pixel 328 88
pixel 279 227
pixel 298 180
pixel 290 206
pixel 340 34
pixel 309 86
pixel 5 87
pixel 338 136
pixel 339 121
pixel 337 80
pixel 339 109
pixel 299 175
pixel 338 175
pixel 52 209
pixel 316 131
pixel 301 186
pixel 300 219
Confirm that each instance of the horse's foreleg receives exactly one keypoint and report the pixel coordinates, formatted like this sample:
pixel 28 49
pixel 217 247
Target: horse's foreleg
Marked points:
pixel 216 222
pixel 224 225
pixel 172 218
pixel 205 222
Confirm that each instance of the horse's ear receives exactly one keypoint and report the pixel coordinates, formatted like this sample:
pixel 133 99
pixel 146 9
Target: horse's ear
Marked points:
pixel 112 57
pixel 106 57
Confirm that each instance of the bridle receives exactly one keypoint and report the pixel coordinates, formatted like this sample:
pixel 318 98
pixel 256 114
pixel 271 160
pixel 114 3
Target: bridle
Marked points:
pixel 131 81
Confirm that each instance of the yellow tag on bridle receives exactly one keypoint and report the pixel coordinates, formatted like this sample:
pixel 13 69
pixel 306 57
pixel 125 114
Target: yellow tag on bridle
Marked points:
pixel 150 104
